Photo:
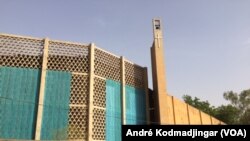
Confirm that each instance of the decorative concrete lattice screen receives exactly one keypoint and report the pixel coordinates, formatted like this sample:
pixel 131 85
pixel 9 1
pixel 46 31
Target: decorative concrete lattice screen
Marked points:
pixel 81 73
pixel 134 75
pixel 21 52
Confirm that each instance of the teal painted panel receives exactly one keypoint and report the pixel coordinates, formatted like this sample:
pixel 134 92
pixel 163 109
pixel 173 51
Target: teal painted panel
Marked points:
pixel 135 106
pixel 19 88
pixel 113 111
pixel 56 105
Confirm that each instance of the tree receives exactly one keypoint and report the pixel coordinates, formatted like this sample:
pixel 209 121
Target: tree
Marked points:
pixel 237 112
pixel 241 102
pixel 227 113
pixel 245 118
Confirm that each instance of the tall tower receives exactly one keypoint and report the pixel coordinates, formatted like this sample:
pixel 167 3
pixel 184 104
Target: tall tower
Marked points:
pixel 158 73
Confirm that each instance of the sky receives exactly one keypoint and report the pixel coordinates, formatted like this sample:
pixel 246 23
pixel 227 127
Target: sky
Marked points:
pixel 206 42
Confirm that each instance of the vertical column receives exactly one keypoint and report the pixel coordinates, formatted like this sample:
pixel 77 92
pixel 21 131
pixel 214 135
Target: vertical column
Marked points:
pixel 123 91
pixel 200 117
pixel 41 91
pixel 188 113
pixel 173 109
pixel 91 91
pixel 146 96
pixel 211 120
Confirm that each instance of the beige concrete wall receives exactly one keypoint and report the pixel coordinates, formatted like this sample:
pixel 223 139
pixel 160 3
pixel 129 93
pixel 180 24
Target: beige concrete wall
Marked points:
pixel 205 119
pixel 169 109
pixel 215 121
pixel 180 112
pixel 194 115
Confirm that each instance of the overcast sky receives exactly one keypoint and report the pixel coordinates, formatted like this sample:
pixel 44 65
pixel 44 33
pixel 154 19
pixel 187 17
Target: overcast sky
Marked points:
pixel 207 42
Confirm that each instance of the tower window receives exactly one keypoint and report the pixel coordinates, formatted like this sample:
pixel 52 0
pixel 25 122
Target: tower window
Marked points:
pixel 157 24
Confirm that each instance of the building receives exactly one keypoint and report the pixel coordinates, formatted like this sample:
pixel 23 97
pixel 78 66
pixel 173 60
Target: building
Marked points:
pixel 57 90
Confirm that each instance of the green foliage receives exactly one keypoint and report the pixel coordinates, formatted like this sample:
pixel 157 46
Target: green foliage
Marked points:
pixel 241 102
pixel 245 118
pixel 227 114
pixel 237 112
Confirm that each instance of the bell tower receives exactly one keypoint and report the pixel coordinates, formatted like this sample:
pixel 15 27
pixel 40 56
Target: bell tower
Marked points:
pixel 158 72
